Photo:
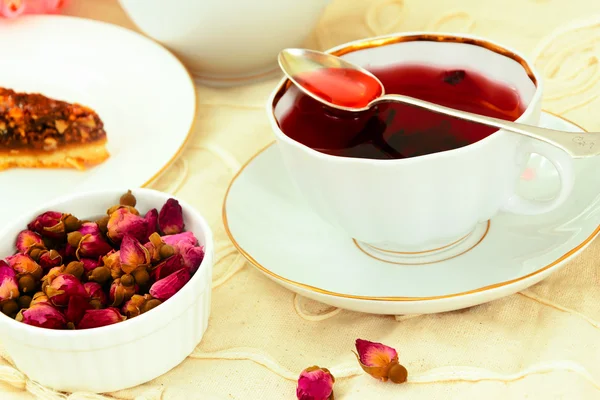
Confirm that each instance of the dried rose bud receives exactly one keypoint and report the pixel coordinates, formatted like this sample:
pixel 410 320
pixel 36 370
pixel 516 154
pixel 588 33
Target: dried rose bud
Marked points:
pixel 181 239
pixel 380 361
pixel 71 223
pixel 96 294
pixel 76 308
pixel 116 207
pixel 132 254
pixel 170 218
pixel 123 222
pixel 112 261
pixel 121 290
pixel 186 244
pixel 36 252
pixel 166 251
pixel 50 259
pixel 103 224
pixel 192 257
pixel 168 266
pixel 42 315
pixel 98 318
pixel 53 273
pixel 167 287
pixel 89 228
pixel 49 224
pixel 154 246
pixel 61 288
pixel 89 264
pixel 141 276
pixel 133 307
pixel 150 304
pixel 39 297
pixel 139 304
pixel 93 246
pixel 74 268
pixel 151 218
pixel 10 308
pixel 100 275
pixel 68 252
pixel 9 288
pixel 74 238
pixel 27 284
pixel 315 383
pixel 24 265
pixel 24 301
pixel 128 199
pixel 26 240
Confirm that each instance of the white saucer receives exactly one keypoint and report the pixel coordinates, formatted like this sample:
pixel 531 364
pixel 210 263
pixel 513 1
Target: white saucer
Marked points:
pixel 270 225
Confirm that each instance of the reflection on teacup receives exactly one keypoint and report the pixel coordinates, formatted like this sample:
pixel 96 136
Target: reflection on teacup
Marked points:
pixel 404 179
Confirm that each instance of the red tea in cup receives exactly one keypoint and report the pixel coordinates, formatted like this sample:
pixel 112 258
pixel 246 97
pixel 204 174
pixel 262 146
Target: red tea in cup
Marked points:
pixel 395 130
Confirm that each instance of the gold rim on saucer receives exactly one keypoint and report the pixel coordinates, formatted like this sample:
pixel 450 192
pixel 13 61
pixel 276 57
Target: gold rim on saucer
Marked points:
pixel 277 277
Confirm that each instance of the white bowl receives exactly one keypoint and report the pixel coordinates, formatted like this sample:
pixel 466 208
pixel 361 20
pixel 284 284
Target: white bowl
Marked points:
pixel 227 42
pixel 125 354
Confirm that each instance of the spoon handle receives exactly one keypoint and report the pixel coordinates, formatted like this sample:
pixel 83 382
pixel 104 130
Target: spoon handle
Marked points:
pixel 577 145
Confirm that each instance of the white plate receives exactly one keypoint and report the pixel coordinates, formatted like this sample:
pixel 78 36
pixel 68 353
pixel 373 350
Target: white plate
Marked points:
pixel 268 222
pixel 142 92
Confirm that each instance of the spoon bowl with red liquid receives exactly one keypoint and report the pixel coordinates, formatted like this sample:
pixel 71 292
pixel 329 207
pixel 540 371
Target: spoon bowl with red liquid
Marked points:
pixel 344 86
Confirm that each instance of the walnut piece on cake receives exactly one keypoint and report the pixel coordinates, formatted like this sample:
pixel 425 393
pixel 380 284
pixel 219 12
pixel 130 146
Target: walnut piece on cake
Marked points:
pixel 39 132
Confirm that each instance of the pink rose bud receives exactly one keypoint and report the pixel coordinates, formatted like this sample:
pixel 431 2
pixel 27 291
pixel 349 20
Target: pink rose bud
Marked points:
pixel 151 222
pixel 89 228
pixel 192 257
pixel 27 239
pixel 168 266
pixel 112 261
pixel 121 290
pixel 61 288
pixel 181 239
pixel 89 264
pixel 132 254
pixel 76 308
pixel 50 259
pixel 68 253
pixel 23 264
pixel 9 288
pixel 123 222
pixel 167 287
pixel 186 244
pixel 12 8
pixel 315 383
pixel 96 294
pixel 93 246
pixel 42 315
pixel 98 318
pixel 139 304
pixel 170 218
pixel 49 224
pixel 380 361
pixel 39 297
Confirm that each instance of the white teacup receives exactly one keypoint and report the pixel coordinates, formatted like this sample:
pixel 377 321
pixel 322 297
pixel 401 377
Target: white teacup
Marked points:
pixel 227 42
pixel 428 202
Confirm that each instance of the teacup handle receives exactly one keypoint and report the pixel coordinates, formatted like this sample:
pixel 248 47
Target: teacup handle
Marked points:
pixel 563 163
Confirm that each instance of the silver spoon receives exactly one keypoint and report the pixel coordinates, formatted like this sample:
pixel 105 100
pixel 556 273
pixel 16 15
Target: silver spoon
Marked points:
pixel 294 62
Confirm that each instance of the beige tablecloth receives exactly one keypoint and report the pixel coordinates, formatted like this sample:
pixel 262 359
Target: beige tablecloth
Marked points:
pixel 543 343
